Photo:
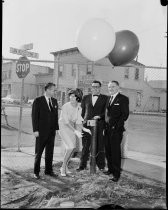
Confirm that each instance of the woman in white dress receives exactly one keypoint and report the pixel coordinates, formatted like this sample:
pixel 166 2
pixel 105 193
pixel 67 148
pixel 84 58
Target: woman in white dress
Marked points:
pixel 70 126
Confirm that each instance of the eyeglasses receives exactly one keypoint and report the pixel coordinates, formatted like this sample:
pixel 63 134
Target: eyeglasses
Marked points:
pixel 95 86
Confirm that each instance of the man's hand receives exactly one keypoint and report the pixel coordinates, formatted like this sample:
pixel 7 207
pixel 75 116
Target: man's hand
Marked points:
pixel 36 134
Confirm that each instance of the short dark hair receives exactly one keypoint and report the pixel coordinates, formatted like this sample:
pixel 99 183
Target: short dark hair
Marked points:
pixel 49 85
pixel 116 82
pixel 77 92
pixel 96 81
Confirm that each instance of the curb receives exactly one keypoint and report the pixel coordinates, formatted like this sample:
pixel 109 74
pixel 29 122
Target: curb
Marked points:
pixel 150 114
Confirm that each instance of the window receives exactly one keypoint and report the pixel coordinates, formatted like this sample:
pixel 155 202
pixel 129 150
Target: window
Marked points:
pixel 136 74
pixel 74 69
pixel 50 70
pixel 4 75
pixel 126 73
pixel 9 88
pixel 89 69
pixel 138 99
pixel 60 72
pixel 9 74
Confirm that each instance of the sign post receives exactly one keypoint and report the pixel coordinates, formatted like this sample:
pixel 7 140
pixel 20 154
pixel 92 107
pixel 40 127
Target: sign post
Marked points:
pixel 20 116
pixel 24 52
pixel 27 46
pixel 93 124
pixel 22 69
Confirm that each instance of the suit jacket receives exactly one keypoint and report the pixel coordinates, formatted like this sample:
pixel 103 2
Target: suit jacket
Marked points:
pixel 117 112
pixel 43 120
pixel 89 111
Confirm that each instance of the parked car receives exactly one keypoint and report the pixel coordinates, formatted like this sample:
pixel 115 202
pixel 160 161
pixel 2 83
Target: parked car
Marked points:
pixel 10 99
pixel 7 99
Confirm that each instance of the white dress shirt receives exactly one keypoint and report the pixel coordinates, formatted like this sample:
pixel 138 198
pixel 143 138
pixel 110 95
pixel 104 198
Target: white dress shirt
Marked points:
pixel 94 99
pixel 47 99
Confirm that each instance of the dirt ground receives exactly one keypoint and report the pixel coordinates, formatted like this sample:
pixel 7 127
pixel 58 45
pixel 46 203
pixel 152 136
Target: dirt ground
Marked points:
pixel 20 190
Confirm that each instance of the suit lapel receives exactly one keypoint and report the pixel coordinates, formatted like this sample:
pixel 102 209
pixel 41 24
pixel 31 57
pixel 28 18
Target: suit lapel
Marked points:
pixel 108 100
pixel 53 104
pixel 90 99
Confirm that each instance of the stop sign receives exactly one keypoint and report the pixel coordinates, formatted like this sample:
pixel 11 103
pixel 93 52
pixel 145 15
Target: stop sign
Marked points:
pixel 22 67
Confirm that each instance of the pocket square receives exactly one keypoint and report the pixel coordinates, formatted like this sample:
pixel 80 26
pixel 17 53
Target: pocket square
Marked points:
pixel 116 104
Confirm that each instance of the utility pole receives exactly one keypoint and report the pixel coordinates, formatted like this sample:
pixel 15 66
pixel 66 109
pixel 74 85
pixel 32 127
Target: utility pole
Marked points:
pixel 76 76
pixel 56 72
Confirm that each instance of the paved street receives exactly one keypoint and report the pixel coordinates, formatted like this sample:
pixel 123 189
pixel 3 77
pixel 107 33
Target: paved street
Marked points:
pixel 143 173
pixel 146 134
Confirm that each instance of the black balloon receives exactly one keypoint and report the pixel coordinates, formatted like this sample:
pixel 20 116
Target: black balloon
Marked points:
pixel 125 49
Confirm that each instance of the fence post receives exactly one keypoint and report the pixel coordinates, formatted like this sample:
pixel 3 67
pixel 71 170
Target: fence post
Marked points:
pixel 4 114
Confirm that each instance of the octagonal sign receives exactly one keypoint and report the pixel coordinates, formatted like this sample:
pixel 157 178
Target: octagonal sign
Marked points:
pixel 22 67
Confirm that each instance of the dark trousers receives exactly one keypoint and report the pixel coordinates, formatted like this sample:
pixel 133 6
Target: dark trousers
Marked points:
pixel 48 144
pixel 100 150
pixel 113 151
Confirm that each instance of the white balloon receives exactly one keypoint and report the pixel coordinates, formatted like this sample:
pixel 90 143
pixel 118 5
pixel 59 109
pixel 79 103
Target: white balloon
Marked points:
pixel 95 39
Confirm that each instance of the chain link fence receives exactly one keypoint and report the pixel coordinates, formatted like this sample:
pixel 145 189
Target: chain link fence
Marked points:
pixel 146 126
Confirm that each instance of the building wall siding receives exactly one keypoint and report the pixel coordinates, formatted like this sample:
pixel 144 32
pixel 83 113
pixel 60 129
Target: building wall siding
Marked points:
pixel 137 90
pixel 29 81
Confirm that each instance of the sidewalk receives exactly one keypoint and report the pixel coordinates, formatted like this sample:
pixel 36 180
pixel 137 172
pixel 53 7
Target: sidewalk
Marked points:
pixel 150 167
pixel 150 113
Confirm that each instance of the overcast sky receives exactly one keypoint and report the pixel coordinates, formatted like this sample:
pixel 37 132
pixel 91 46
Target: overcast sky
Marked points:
pixel 52 25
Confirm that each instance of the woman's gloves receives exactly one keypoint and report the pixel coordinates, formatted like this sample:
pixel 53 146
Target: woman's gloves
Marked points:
pixel 87 130
pixel 78 133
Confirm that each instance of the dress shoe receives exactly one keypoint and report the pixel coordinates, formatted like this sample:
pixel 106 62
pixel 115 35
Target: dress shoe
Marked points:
pixel 36 176
pixel 114 179
pixel 80 169
pixel 51 174
pixel 68 171
pixel 107 172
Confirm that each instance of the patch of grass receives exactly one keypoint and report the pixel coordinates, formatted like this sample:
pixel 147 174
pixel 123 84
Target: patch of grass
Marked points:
pixel 84 188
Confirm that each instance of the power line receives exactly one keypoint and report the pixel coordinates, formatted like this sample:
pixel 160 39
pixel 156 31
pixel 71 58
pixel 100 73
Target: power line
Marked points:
pixel 96 64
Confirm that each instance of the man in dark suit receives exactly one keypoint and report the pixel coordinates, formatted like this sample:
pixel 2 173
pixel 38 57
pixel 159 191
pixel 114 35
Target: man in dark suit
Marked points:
pixel 117 112
pixel 45 124
pixel 93 107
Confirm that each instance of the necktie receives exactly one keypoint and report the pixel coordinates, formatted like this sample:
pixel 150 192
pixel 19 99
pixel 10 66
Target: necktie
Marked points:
pixel 50 105
pixel 111 98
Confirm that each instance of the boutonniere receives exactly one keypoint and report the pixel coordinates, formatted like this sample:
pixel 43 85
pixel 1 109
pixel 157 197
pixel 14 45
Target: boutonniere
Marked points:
pixel 55 106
